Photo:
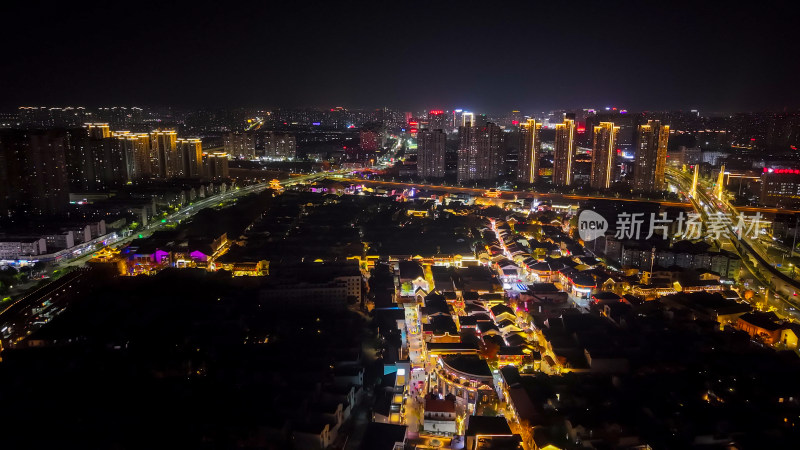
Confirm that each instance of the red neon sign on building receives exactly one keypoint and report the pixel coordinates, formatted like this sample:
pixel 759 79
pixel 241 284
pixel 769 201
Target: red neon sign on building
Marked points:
pixel 792 171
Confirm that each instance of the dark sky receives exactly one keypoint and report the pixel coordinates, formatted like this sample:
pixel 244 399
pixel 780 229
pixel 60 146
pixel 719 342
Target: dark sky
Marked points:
pixel 488 56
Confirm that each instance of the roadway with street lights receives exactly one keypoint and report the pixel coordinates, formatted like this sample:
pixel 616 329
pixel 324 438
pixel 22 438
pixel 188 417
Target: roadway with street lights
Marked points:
pixel 785 300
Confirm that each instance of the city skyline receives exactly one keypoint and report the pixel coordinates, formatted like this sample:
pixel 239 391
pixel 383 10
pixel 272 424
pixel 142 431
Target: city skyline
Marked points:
pixel 421 109
pixel 399 226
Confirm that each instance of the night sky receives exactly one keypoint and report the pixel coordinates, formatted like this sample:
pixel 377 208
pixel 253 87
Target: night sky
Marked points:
pixel 483 56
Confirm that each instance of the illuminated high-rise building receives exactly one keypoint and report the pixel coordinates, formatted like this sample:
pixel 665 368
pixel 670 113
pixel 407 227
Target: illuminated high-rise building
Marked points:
pixel 126 153
pixel 110 163
pixel 94 159
pixel 456 119
pixel 44 116
pixel 33 175
pixel 530 146
pixel 79 159
pixel 164 153
pixel 603 147
pixel 651 156
pixel 413 127
pixel 479 152
pixel 98 130
pixel 514 119
pixel 467 152
pixel 190 157
pixel 622 119
pixel 215 165
pixel 242 145
pixel 490 150
pixel 136 148
pixel 35 116
pixel 279 145
pixel 563 153
pixel 271 144
pixel 467 118
pixel 437 119
pixel 431 153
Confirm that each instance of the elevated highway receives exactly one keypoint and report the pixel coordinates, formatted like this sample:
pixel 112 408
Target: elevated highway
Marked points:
pixel 564 198
pixel 758 264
